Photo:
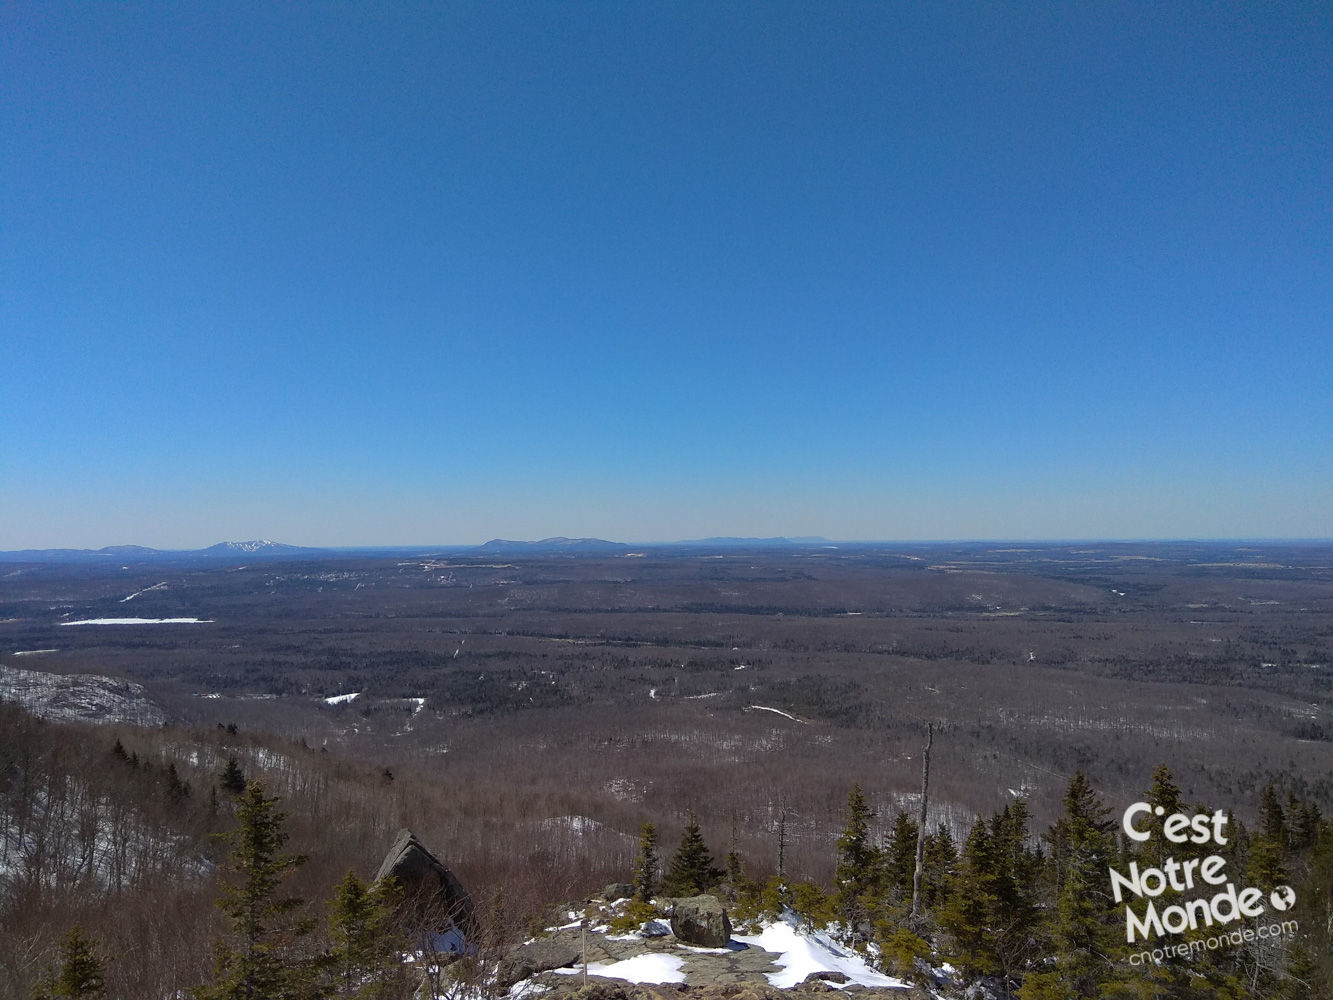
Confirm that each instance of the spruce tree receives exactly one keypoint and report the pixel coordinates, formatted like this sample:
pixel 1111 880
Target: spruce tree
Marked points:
pixel 1164 794
pixel 366 961
pixel 232 778
pixel 1017 914
pixel 1082 852
pixel 858 862
pixel 177 790
pixel 257 962
pixel 969 914
pixel 735 868
pixel 647 867
pixel 80 974
pixel 692 869
pixel 939 858
pixel 1268 847
pixel 900 858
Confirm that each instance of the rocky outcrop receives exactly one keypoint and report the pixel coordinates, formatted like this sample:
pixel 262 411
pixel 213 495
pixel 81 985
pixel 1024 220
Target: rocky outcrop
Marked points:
pixel 701 921
pixel 536 956
pixel 618 890
pixel 434 901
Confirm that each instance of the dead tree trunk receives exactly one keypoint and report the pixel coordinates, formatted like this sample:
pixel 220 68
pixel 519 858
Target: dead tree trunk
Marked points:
pixel 921 825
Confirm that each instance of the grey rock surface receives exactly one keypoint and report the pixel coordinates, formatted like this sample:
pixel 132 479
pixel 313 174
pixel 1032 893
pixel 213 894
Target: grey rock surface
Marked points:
pixel 701 921
pixel 433 896
pixel 536 956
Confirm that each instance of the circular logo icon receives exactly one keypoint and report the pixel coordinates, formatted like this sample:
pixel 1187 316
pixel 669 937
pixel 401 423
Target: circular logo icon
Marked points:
pixel 1283 897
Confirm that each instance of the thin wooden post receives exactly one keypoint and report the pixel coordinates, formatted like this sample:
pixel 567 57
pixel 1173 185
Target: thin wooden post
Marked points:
pixel 921 826
pixel 583 947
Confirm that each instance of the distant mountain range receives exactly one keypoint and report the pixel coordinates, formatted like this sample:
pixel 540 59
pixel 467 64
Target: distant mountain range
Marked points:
pixel 264 549
pixel 257 549
pixel 576 546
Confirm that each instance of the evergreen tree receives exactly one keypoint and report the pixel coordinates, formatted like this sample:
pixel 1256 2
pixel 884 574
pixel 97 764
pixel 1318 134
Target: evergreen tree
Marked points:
pixel 232 778
pixel 366 961
pixel 900 858
pixel 858 862
pixel 80 974
pixel 257 963
pixel 647 868
pixel 177 790
pixel 733 865
pixel 939 858
pixel 1165 795
pixel 692 869
pixel 1268 847
pixel 1016 916
pixel 1082 852
pixel 969 913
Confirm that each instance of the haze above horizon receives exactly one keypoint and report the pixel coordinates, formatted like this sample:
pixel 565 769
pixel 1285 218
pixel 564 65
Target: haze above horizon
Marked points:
pixel 356 276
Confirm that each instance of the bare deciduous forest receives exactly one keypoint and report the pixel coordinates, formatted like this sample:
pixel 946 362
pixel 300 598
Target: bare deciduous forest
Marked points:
pixel 526 715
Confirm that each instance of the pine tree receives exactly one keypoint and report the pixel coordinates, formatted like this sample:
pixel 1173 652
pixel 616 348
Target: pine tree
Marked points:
pixel 366 960
pixel 858 862
pixel 692 869
pixel 1016 916
pixel 177 790
pixel 80 974
pixel 939 858
pixel 1165 795
pixel 257 962
pixel 733 865
pixel 969 913
pixel 1082 851
pixel 1268 847
pixel 900 857
pixel 647 868
pixel 232 778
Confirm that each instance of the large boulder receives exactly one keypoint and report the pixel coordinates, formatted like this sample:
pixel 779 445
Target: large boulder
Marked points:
pixel 701 921
pixel 434 901
pixel 536 956
pixel 618 890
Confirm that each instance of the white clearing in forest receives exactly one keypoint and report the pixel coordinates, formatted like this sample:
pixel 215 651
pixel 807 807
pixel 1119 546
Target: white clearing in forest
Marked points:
pixel 141 621
pixel 342 699
pixel 156 586
pixel 649 968
pixel 800 954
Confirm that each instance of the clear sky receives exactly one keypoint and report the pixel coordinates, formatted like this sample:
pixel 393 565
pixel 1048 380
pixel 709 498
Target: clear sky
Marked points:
pixel 357 274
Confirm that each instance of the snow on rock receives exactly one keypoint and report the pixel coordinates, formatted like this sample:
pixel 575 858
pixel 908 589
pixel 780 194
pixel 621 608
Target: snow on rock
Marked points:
pixel 79 697
pixel 141 621
pixel 800 953
pixel 649 968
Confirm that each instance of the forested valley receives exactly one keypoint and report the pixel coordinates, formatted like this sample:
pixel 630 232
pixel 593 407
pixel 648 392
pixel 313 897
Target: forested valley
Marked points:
pixel 751 727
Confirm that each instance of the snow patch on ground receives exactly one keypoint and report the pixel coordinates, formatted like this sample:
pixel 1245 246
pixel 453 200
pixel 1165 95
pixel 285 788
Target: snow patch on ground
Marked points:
pixel 33 652
pixel 342 699
pixel 141 621
pixel 800 954
pixel 649 968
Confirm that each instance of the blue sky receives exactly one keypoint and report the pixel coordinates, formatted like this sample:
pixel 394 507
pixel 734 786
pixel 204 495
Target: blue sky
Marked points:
pixel 363 274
